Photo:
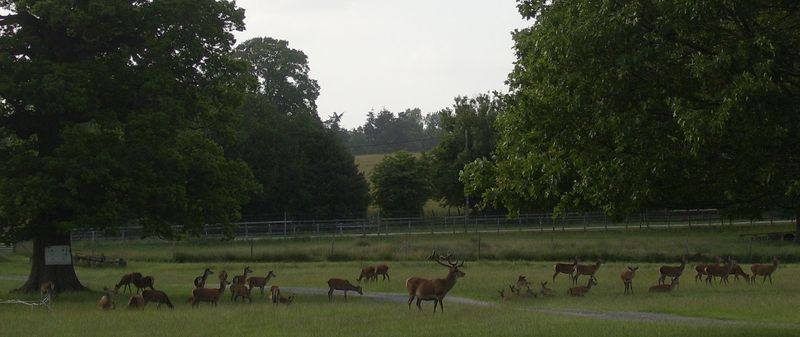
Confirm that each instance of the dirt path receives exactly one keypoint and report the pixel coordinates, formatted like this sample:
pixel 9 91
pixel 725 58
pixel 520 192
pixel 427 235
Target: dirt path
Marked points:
pixel 626 316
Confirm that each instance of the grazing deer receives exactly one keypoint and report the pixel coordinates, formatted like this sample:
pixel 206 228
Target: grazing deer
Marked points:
pixel 158 297
pixel 589 270
pixel 663 288
pixel 209 295
pixel 344 285
pixel 701 269
pixel 671 271
pixel 200 281
pixel 127 280
pixel 737 271
pixel 136 302
pixel 260 282
pixel 764 270
pixel 383 270
pixel 545 291
pixel 106 302
pixel 627 278
pixel 144 283
pixel 565 268
pixel 367 273
pixel 436 289
pixel 719 271
pixel 241 279
pixel 582 290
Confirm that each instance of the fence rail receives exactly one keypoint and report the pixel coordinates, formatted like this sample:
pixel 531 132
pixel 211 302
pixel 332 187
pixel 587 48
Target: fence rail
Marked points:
pixel 449 224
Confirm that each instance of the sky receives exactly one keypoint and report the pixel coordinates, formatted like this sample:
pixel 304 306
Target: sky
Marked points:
pixel 376 54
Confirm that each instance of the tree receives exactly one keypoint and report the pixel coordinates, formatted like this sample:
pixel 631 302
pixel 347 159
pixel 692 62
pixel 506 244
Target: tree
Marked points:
pixel 400 185
pixel 303 166
pixel 467 133
pixel 116 113
pixel 628 105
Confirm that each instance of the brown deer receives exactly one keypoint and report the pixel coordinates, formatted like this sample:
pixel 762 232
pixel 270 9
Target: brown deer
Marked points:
pixel 589 270
pixel 764 270
pixel 383 270
pixel 701 269
pixel 144 283
pixel 344 285
pixel 208 294
pixel 127 280
pixel 627 279
pixel 158 297
pixel 106 301
pixel 662 288
pixel 200 281
pixel 517 291
pixel 436 289
pixel 579 291
pixel 240 290
pixel 260 282
pixel 545 291
pixel 412 283
pixel 565 268
pixel 274 294
pixel 285 300
pixel 737 271
pixel 367 273
pixel 136 302
pixel 719 271
pixel 47 288
pixel 503 296
pixel 522 281
pixel 671 271
pixel 241 279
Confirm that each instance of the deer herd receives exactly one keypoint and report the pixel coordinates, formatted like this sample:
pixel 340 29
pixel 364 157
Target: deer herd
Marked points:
pixel 424 289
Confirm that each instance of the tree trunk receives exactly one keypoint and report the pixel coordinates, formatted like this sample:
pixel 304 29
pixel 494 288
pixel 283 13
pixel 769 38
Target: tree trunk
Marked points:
pixel 63 277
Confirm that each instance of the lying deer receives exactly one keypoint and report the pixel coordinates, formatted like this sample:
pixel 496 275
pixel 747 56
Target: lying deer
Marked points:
pixel 285 300
pixel 344 285
pixel 545 291
pixel 627 278
pixel 127 280
pixel 200 281
pixel 671 271
pixel 517 291
pixel 383 270
pixel 260 282
pixel 136 302
pixel 662 288
pixel 106 301
pixel 582 290
pixel 158 297
pixel 701 269
pixel 436 289
pixel 764 270
pixel 522 281
pixel 565 268
pixel 144 283
pixel 367 273
pixel 208 294
pixel 589 270
pixel 241 279
pixel 719 271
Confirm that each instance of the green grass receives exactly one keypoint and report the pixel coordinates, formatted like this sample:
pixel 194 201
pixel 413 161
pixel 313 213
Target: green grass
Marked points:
pixel 635 245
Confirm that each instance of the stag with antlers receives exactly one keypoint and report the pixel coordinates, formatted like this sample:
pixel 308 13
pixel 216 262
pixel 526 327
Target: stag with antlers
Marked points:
pixel 435 290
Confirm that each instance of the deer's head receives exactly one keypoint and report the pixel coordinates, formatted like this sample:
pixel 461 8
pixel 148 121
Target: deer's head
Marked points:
pixel 208 272
pixel 271 274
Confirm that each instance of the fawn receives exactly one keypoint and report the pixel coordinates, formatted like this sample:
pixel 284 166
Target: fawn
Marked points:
pixel 545 291
pixel 663 288
pixel 627 279
pixel 582 290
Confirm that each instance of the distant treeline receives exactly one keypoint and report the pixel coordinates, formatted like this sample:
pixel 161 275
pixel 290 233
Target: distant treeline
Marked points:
pixel 386 131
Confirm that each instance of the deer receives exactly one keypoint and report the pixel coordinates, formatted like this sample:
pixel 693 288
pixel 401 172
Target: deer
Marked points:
pixel 515 290
pixel 436 289
pixel 260 282
pixel 737 271
pixel 47 288
pixel 106 301
pixel 671 271
pixel 721 271
pixel 274 294
pixel 200 281
pixel 522 281
pixel 344 285
pixel 545 291
pixel 627 279
pixel 764 270
pixel 589 270
pixel 136 302
pixel 565 268
pixel 208 294
pixel 144 283
pixel 240 290
pixel 127 280
pixel 662 288
pixel 383 270
pixel 285 300
pixel 367 273
pixel 157 296
pixel 579 291
pixel 701 269
pixel 240 279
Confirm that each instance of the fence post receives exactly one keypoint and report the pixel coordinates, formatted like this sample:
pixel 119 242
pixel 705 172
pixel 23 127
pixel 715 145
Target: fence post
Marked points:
pixel 666 212
pixel 584 221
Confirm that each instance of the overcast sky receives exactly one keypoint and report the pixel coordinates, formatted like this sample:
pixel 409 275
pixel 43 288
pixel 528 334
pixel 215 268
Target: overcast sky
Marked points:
pixel 371 54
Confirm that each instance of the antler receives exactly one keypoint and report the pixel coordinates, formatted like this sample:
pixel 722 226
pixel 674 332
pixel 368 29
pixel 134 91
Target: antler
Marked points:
pixel 446 261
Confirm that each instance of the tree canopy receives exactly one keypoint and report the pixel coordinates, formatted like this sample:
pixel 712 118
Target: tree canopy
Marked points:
pixel 400 185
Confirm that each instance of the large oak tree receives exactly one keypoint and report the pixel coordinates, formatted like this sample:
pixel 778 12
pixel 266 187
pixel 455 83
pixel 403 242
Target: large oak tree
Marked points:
pixel 116 113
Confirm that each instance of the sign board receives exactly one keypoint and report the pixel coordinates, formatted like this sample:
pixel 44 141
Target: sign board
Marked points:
pixel 57 256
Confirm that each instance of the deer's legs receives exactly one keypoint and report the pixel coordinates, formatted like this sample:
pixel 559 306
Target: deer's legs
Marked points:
pixel 410 299
pixel 345 295
pixel 770 278
pixel 419 304
pixel 554 276
pixel 435 303
pixel 330 294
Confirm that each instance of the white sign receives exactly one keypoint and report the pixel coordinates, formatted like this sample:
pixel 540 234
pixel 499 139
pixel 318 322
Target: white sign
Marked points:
pixel 57 256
